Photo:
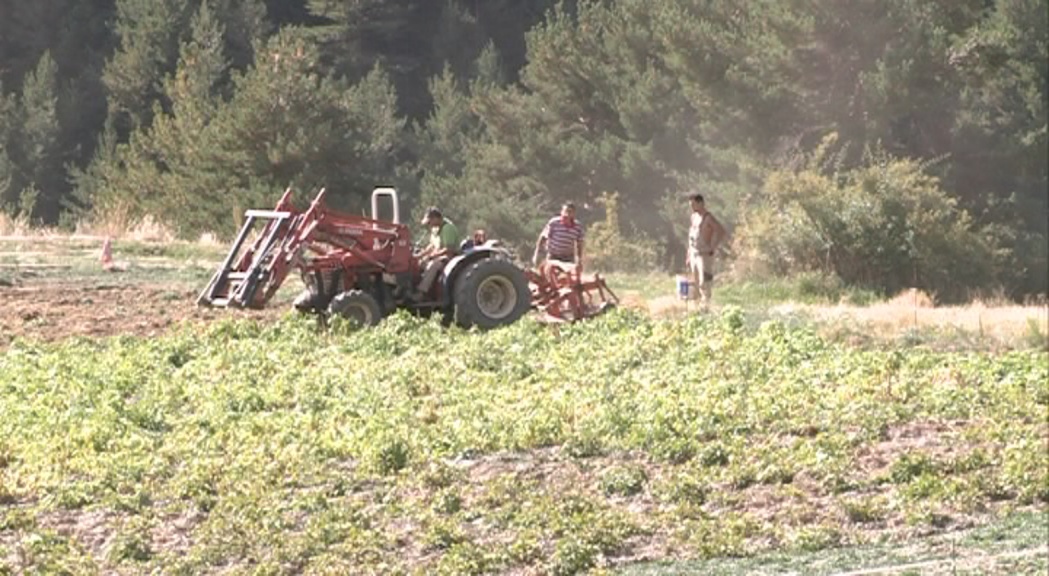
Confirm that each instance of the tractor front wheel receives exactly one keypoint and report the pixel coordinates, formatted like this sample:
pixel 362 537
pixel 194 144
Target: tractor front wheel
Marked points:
pixel 357 306
pixel 490 293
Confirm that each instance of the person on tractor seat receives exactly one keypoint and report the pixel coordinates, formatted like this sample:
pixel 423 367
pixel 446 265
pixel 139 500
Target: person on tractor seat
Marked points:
pixel 444 243
pixel 563 239
pixel 476 241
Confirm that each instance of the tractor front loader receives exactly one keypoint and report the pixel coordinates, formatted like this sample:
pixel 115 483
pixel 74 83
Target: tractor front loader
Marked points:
pixel 361 268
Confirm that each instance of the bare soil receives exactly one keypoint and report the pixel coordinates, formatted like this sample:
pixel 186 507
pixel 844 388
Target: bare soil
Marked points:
pixel 51 312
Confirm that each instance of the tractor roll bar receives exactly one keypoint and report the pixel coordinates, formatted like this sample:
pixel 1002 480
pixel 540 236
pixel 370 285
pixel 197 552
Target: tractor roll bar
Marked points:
pixel 392 193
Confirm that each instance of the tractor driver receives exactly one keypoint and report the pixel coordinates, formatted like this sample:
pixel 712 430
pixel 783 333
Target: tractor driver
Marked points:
pixel 444 243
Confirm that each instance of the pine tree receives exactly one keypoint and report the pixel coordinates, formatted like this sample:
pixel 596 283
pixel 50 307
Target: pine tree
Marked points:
pixel 8 192
pixel 206 159
pixel 244 24
pixel 358 35
pixel 90 182
pixel 202 68
pixel 489 71
pixel 1002 134
pixel 462 170
pixel 506 23
pixel 598 111
pixel 288 12
pixel 290 124
pixel 40 157
pixel 25 35
pixel 148 31
pixel 83 43
pixel 74 35
pixel 457 41
pixel 181 141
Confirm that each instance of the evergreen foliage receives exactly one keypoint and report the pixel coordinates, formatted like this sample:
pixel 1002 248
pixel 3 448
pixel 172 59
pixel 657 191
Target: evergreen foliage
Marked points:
pixel 499 110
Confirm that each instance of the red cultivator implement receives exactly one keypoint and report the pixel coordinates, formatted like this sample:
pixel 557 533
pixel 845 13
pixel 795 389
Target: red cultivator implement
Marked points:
pixel 562 295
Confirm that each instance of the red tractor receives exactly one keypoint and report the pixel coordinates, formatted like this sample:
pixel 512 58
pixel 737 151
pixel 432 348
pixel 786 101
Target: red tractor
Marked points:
pixel 365 268
pixel 362 268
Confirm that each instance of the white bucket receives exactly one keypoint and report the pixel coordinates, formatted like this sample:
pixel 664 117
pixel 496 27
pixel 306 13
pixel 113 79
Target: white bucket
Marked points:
pixel 684 287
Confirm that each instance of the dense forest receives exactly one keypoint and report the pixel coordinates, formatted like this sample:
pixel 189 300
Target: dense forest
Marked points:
pixel 891 143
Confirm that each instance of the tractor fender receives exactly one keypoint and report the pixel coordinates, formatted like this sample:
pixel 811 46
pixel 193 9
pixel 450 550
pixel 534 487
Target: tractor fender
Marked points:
pixel 458 264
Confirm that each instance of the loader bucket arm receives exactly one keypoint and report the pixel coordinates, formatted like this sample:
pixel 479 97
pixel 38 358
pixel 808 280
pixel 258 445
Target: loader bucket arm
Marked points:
pixel 249 277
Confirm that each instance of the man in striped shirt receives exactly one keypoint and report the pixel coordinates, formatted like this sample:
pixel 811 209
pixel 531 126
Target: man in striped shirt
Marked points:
pixel 563 239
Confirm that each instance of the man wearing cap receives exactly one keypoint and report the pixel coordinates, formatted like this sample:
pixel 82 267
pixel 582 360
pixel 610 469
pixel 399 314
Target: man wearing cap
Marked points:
pixel 563 239
pixel 444 243
pixel 705 234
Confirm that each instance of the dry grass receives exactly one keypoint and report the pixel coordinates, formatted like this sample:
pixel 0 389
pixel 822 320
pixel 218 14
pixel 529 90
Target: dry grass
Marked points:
pixel 116 225
pixel 993 320
pixel 13 226
pixel 634 301
pixel 670 307
pixel 120 226
pixel 990 319
pixel 913 298
pixel 666 307
pixel 909 311
pixel 20 227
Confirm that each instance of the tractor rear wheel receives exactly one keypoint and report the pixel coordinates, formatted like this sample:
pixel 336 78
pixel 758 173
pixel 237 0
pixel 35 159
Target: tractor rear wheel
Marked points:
pixel 357 306
pixel 490 293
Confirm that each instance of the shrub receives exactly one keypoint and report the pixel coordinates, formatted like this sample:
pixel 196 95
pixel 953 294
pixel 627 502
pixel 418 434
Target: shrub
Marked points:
pixel 885 225
pixel 608 249
pixel 624 480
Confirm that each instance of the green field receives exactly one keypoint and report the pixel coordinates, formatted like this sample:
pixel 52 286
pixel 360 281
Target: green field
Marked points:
pixel 245 447
pixel 864 184
pixel 1015 545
